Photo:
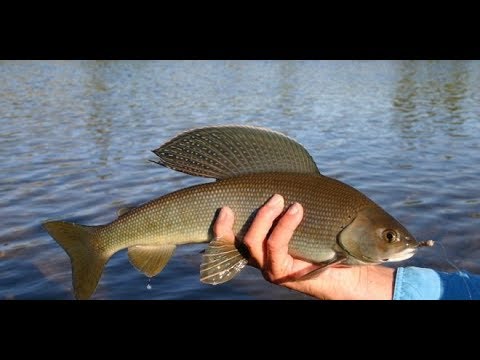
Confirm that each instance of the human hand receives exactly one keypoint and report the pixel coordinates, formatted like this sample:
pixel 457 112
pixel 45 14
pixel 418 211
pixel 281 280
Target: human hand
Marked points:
pixel 268 248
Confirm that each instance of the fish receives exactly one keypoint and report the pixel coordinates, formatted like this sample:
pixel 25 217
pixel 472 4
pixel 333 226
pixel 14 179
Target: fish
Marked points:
pixel 249 164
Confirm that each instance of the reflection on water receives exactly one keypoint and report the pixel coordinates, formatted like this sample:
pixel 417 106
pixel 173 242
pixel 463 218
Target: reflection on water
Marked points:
pixel 430 97
pixel 76 136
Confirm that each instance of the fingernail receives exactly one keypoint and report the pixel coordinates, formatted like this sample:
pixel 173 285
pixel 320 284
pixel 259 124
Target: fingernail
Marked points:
pixel 274 201
pixel 293 209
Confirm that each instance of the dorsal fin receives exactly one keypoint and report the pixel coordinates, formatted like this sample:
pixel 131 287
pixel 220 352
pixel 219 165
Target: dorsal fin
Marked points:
pixel 224 151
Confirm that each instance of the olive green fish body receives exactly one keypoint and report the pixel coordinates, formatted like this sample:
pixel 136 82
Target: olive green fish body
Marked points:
pixel 186 216
pixel 250 165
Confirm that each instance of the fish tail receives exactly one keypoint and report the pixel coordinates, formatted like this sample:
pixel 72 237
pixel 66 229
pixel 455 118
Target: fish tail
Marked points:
pixel 87 261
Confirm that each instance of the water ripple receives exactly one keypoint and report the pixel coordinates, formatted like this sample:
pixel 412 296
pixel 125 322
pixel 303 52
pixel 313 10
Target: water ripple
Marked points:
pixel 76 136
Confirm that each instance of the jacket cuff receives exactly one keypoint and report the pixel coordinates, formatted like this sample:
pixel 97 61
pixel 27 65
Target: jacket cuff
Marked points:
pixel 414 283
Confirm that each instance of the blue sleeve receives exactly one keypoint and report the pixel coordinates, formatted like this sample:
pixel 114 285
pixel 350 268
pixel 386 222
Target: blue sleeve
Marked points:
pixel 414 283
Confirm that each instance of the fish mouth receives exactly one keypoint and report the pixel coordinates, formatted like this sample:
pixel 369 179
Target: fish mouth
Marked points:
pixel 402 255
pixel 408 252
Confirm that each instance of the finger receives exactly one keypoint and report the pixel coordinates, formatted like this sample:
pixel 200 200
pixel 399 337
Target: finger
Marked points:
pixel 279 263
pixel 223 226
pixel 255 237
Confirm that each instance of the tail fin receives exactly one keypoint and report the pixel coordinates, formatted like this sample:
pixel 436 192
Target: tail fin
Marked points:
pixel 87 261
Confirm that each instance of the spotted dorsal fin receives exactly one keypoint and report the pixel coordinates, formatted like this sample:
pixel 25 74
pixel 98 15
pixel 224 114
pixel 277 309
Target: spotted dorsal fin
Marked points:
pixel 221 152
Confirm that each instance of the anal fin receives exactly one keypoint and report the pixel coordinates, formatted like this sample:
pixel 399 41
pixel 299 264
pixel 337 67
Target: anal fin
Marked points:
pixel 222 260
pixel 150 259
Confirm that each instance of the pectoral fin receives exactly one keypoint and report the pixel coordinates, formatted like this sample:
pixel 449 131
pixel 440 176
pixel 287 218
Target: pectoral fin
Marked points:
pixel 314 273
pixel 221 262
pixel 150 259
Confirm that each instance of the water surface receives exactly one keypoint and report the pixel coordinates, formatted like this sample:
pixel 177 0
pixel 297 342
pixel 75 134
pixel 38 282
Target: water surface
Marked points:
pixel 75 140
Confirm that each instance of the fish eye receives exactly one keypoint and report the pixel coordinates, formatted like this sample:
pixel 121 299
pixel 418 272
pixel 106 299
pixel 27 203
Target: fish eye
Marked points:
pixel 390 236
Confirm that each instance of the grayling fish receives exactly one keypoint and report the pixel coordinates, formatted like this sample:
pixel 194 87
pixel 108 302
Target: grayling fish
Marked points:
pixel 250 164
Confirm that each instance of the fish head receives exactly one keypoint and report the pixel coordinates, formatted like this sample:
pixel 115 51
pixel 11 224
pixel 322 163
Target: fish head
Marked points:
pixel 375 237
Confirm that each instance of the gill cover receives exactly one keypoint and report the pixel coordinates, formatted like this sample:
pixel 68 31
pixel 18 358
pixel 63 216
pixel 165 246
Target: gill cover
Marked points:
pixel 374 237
